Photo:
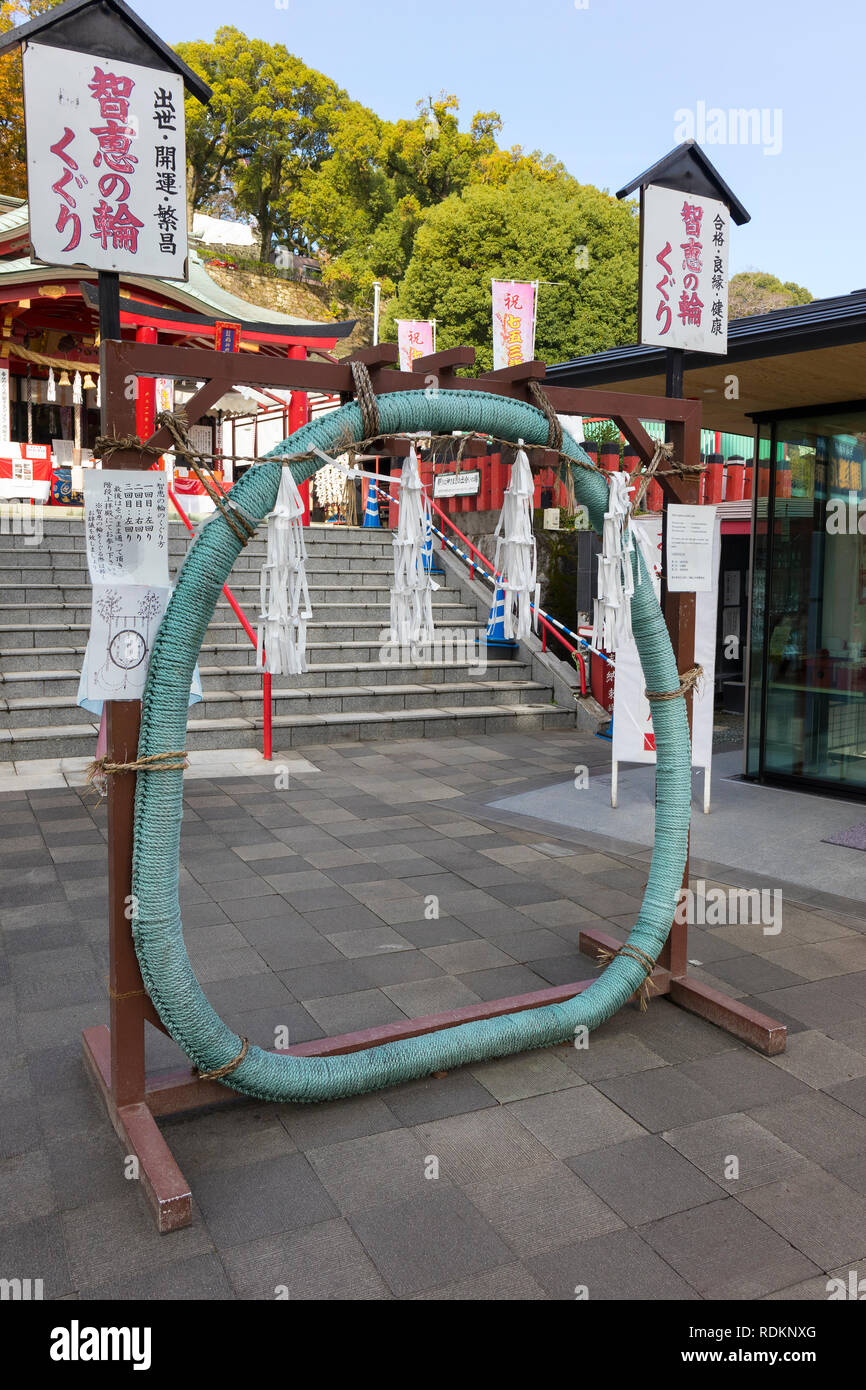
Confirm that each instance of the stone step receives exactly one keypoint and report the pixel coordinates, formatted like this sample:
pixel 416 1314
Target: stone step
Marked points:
pixel 302 730
pixel 62 710
pixel 72 568
pixel 357 629
pixel 347 588
pixel 22 616
pixel 39 683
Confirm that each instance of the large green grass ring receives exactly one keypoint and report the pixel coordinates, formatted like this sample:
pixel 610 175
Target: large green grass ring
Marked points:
pixel 168 976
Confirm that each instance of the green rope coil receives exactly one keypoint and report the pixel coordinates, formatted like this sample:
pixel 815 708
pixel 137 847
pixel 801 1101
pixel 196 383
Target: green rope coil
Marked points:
pixel 168 976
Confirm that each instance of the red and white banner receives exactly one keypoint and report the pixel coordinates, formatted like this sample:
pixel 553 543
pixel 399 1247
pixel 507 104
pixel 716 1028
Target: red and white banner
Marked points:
pixel 25 478
pixel 415 339
pixel 513 322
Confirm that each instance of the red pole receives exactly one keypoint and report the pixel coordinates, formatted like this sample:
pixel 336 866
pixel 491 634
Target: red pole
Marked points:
pixel 299 414
pixel 145 398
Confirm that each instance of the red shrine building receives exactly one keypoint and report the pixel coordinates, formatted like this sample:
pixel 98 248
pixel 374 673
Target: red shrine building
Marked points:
pixel 49 363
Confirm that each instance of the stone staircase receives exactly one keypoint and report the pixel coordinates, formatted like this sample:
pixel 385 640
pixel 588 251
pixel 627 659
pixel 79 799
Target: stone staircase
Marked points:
pixel 350 692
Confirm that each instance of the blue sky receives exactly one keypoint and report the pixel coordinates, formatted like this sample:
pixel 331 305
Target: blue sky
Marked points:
pixel 600 87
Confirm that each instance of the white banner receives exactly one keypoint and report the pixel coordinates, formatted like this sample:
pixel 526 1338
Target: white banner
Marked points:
pixel 684 271
pixel 633 737
pixel 106 163
pixel 5 410
pixel 126 525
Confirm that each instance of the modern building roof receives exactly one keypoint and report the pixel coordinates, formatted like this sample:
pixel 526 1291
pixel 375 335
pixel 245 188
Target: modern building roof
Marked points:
pixel 808 354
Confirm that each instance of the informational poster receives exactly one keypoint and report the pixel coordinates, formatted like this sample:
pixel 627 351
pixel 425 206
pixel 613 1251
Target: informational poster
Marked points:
pixel 513 322
pixel 684 271
pixel 106 163
pixel 126 526
pixel 633 736
pixel 465 484
pixel 690 549
pixel 415 339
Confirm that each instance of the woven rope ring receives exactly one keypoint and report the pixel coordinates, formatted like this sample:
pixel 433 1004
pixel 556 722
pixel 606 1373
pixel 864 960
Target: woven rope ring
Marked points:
pixel 211 1043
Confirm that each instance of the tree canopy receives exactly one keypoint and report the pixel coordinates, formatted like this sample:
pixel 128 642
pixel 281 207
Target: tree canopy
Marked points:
pixel 13 174
pixel 757 292
pixel 580 243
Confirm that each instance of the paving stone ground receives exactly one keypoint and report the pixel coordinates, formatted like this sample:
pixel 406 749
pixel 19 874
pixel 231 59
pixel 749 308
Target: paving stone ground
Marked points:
pixel 664 1161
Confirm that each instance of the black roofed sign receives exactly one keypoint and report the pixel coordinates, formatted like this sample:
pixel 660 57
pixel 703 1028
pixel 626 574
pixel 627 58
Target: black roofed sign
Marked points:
pixel 106 148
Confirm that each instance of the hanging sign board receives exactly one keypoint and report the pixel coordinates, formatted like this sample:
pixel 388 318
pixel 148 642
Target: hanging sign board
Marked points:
pixel 467 484
pixel 126 527
pixel 414 339
pixel 513 322
pixel 689 547
pixel 633 737
pixel 684 271
pixel 227 337
pixel 106 163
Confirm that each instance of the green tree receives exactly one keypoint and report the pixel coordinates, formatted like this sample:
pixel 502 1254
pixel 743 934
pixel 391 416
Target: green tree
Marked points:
pixel 267 126
pixel 757 292
pixel 579 242
pixel 13 172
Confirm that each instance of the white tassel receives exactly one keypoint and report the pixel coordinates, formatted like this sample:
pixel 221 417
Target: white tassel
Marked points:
pixel 411 592
pixel 51 392
pixel 281 647
pixel 615 577
pixel 76 389
pixel 515 561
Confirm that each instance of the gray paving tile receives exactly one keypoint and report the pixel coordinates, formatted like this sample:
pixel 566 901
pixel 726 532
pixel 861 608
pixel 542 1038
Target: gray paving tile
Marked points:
pixel 117 1240
pixel 616 1266
pixel 851 1093
pixel 505 982
pixel 481 1147
pixel 528 1074
pixel 662 1098
pixel 819 1004
pixel 819 1215
pixel 437 1097
pixel 610 1053
pixel 228 1137
pixel 815 1125
pixel 349 1013
pixel 433 1238
pixel 26 1188
pixel 761 1157
pixel 508 1283
pixel 261 1199
pixel 35 1249
pixel 725 1251
pixel 368 941
pixel 371 1170
pixel 323 1263
pixel 537 1208
pixel 198 1279
pixel 574 1121
pixel 741 1079
pixel 820 1061
pixel 466 956
pixel 421 998
pixel 644 1179
pixel 334 1122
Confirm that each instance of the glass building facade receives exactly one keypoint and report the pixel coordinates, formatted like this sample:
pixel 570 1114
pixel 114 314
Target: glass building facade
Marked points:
pixel 806 702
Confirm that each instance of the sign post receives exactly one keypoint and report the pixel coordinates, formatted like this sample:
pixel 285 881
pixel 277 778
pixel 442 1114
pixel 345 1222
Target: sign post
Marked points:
pixel 106 179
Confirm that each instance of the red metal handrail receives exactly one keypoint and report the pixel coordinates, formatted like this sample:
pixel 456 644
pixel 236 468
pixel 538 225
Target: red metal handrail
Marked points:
pixel 488 569
pixel 267 729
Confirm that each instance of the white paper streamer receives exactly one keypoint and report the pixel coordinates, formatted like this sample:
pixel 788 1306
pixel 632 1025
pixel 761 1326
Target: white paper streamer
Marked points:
pixel 612 611
pixel 411 592
pixel 281 646
pixel 515 561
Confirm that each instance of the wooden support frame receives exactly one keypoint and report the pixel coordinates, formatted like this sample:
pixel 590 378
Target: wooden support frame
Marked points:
pixel 115 1055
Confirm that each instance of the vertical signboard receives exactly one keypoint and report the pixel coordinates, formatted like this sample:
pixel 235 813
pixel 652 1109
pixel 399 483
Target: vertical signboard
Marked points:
pixel 684 271
pixel 106 163
pixel 415 339
pixel 513 322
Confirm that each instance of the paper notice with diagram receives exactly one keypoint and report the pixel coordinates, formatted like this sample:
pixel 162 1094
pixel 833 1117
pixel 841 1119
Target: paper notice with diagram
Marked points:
pixel 126 525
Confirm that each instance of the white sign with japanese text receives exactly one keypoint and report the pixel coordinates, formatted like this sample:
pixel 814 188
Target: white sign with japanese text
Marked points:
pixel 684 271
pixel 633 735
pixel 689 549
pixel 466 484
pixel 106 163
pixel 126 525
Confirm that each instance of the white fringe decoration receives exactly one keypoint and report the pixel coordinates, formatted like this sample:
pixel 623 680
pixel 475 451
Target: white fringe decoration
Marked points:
pixel 515 561
pixel 51 393
pixel 411 592
pixel 281 648
pixel 76 389
pixel 612 611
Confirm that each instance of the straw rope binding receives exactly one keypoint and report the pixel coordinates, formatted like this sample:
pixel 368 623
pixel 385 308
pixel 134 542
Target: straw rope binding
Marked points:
pixel 690 680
